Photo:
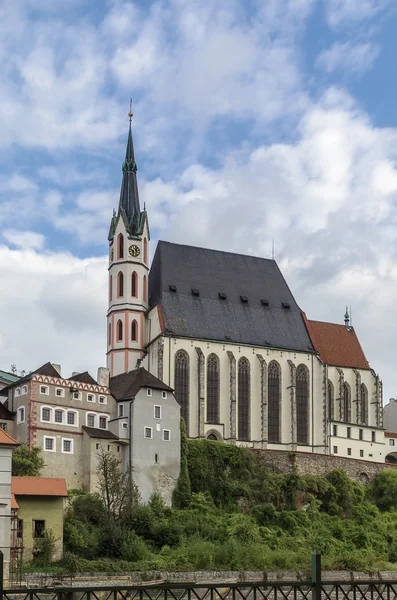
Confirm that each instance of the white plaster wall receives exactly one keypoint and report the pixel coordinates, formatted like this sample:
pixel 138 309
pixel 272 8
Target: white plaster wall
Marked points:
pixel 372 451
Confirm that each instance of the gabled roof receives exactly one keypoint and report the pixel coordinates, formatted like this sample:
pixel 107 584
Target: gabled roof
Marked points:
pixel 47 369
pixel 337 344
pixel 127 385
pixel 103 434
pixel 5 413
pixel 83 378
pixel 8 377
pixel 213 295
pixel 38 486
pixel 6 439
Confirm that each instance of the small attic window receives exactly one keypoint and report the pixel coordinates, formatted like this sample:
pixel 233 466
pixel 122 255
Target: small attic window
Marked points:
pixel 286 305
pixel 222 295
pixel 195 292
pixel 172 288
pixel 264 302
pixel 244 299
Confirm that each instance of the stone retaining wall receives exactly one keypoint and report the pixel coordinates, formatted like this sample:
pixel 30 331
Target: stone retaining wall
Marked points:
pixel 307 463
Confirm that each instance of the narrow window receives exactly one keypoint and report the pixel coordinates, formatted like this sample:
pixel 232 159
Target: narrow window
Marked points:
pixel 361 453
pixel 71 418
pixel 110 334
pixel 334 430
pixel 181 384
pixel 349 432
pixel 373 436
pixel 164 395
pixel 134 285
pixel 156 458
pixel 330 399
pixel 120 284
pixel 148 433
pixel 213 378
pixel 243 399
pixel 144 289
pixel 120 246
pixel 360 434
pixel 103 422
pixel 45 414
pixel 134 331
pixel 121 410
pixel 346 417
pixel 391 442
pixel 349 452
pixel 119 331
pixel 364 404
pixel 97 446
pixel 67 446
pixel 149 392
pixel 274 402
pixel 90 420
pixel 302 404
pixel 21 414
pixel 145 251
pixel 58 416
pixel 38 529
pixel 19 528
pixel 49 444
pixel 157 412
pixel 110 288
pixel 166 435
pixel 335 449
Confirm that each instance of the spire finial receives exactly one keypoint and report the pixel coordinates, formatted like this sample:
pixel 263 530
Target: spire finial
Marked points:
pixel 130 114
pixel 347 318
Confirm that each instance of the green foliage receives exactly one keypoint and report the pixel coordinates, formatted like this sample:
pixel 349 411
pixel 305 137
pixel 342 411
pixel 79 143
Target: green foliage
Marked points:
pixel 46 548
pixel 385 489
pixel 182 492
pixel 27 462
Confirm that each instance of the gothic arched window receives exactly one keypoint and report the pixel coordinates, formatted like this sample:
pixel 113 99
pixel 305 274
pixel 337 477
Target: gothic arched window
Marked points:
pixel 213 389
pixel 109 334
pixel 144 289
pixel 330 399
pixel 145 251
pixel 274 402
pixel 120 284
pixel 134 285
pixel 364 404
pixel 120 246
pixel 181 384
pixel 243 399
pixel 346 405
pixel 119 331
pixel 134 331
pixel 302 404
pixel 110 288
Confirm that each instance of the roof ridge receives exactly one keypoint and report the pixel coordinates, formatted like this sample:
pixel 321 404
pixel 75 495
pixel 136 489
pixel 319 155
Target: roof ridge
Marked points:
pixel 215 250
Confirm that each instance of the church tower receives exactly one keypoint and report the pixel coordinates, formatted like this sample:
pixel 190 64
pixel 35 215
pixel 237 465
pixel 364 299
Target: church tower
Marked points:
pixel 128 273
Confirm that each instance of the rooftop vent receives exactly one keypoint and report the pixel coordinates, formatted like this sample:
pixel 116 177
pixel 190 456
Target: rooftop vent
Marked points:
pixel 244 299
pixel 222 295
pixel 195 292
pixel 227 337
pixel 264 302
pixel 286 305
pixel 172 288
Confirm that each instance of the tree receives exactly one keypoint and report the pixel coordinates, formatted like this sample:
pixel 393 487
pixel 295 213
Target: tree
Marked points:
pixel 385 489
pixel 183 491
pixel 117 490
pixel 27 462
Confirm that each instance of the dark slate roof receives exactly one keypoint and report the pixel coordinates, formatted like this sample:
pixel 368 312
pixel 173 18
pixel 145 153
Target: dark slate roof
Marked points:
pixel 5 413
pixel 127 385
pixel 83 378
pixel 195 309
pixel 46 369
pixel 103 434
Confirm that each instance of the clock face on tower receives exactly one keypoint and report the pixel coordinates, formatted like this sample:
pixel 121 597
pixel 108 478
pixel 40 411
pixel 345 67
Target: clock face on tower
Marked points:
pixel 134 251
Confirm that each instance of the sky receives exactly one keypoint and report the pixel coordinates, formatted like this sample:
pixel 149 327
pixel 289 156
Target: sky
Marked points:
pixel 253 120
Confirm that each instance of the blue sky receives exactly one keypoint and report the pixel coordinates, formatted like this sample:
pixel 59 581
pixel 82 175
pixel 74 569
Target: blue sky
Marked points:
pixel 253 120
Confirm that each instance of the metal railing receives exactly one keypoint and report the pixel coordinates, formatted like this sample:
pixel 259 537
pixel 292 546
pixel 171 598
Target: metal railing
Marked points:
pixel 314 589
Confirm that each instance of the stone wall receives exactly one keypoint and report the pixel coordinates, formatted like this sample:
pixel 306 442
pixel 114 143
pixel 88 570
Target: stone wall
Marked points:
pixel 307 463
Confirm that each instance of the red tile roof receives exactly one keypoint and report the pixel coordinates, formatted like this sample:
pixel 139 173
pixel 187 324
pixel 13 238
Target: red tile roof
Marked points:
pixel 6 439
pixel 38 486
pixel 337 345
pixel 14 503
pixel 390 434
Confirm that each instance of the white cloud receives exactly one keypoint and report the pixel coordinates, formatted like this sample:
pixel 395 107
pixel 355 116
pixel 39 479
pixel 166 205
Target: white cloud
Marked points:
pixel 356 58
pixel 342 12
pixel 24 239
pixel 55 306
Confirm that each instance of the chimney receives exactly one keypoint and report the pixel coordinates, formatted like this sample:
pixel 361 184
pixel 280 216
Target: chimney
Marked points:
pixel 74 373
pixel 103 376
pixel 57 368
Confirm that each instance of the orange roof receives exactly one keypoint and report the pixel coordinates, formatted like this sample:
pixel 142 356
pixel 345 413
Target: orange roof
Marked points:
pixel 390 434
pixel 38 486
pixel 7 439
pixel 336 344
pixel 14 503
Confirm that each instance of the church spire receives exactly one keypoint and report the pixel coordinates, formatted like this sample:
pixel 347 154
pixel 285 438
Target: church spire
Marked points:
pixel 129 197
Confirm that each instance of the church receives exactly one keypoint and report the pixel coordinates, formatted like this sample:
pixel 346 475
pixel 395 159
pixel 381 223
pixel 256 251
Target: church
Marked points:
pixel 225 332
